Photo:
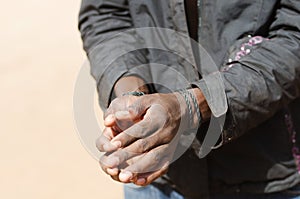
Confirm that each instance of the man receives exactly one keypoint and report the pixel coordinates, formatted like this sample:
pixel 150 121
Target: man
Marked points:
pixel 256 47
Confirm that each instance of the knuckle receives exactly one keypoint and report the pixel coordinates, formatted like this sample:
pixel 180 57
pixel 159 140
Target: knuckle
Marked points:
pixel 121 156
pixel 133 109
pixel 142 145
pixel 124 155
pixel 137 107
pixel 125 139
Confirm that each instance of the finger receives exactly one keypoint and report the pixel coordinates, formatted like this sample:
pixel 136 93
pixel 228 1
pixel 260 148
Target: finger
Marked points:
pixel 149 132
pixel 119 107
pixel 114 173
pixel 116 104
pixel 111 171
pixel 150 162
pixel 104 144
pixel 116 178
pixel 109 111
pixel 126 156
pixel 104 163
pixel 146 179
pixel 139 107
pixel 109 120
pixel 122 159
pixel 143 145
pixel 118 158
pixel 124 120
pixel 119 104
pixel 117 119
pixel 141 129
pixel 120 121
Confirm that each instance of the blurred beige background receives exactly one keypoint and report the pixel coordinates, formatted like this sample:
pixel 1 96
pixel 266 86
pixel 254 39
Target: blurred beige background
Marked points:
pixel 41 155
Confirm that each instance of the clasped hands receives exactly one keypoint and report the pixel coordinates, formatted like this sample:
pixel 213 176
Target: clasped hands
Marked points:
pixel 141 135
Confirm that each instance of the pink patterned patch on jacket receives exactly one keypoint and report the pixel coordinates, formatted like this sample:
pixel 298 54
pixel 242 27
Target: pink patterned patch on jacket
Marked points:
pixel 245 49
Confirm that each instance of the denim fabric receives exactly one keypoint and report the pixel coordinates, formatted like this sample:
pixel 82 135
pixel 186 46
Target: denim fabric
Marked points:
pixel 152 192
pixel 149 192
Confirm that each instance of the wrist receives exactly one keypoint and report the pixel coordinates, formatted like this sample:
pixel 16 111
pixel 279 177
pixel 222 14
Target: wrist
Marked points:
pixel 202 104
pixel 194 108
pixel 185 111
pixel 191 111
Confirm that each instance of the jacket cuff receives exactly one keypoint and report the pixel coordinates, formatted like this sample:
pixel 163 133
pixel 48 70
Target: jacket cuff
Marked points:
pixel 106 83
pixel 213 90
pixel 212 87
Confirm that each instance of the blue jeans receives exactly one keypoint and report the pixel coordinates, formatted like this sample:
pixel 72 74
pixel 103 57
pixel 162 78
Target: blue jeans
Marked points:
pixel 132 191
pixel 151 192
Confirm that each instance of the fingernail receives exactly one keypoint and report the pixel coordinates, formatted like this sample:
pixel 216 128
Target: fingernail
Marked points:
pixel 117 144
pixel 121 114
pixel 141 181
pixel 125 176
pixel 113 171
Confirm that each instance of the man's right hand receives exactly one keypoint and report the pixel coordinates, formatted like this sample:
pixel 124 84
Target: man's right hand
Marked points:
pixel 116 120
pixel 113 125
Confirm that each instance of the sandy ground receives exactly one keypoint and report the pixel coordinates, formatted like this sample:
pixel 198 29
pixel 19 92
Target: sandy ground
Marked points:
pixel 41 155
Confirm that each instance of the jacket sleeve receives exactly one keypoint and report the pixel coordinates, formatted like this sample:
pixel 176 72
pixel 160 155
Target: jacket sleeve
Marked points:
pixel 111 44
pixel 262 79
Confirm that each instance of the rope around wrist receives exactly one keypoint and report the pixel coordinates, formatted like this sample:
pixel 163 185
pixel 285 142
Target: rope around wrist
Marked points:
pixel 196 106
pixel 134 93
pixel 188 103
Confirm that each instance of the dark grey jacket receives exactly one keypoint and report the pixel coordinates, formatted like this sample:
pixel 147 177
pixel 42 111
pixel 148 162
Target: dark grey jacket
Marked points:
pixel 256 46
